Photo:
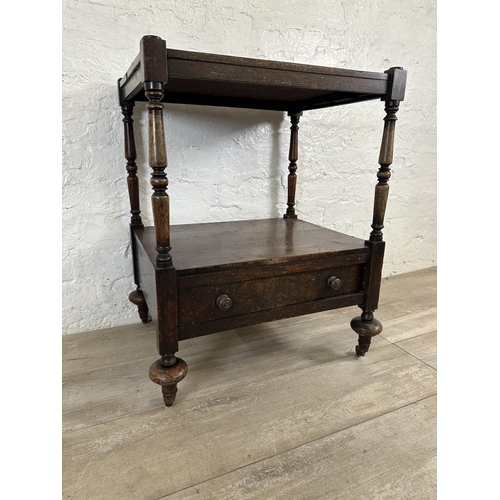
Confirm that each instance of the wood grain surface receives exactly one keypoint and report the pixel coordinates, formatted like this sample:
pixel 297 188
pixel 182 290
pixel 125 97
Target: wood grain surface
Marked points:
pixel 220 80
pixel 215 246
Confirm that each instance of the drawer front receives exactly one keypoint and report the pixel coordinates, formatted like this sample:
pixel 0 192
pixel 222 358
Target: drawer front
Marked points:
pixel 209 303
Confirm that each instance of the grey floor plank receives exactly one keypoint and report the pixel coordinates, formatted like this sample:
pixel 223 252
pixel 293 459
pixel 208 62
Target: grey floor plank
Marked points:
pixel 345 465
pixel 247 354
pixel 408 293
pixel 90 350
pixel 161 451
pixel 423 347
pixel 411 325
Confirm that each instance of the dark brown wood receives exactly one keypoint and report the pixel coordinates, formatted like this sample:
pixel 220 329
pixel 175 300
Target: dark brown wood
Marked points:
pixel 248 62
pixel 256 318
pixel 158 286
pixel 234 80
pixel 159 181
pixel 199 305
pixel 222 246
pixel 218 80
pixel 384 173
pixel 366 325
pixel 233 274
pixel 137 298
pixel 166 296
pixel 153 59
pixel 373 275
pixel 396 84
pixel 168 378
pixel 131 157
pixel 293 156
pixel 147 279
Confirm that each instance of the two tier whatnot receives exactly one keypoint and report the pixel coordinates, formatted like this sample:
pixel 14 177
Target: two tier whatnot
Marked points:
pixel 197 279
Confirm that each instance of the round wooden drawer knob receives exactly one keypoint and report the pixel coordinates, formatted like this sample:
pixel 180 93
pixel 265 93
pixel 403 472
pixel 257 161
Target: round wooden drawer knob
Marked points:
pixel 334 282
pixel 224 302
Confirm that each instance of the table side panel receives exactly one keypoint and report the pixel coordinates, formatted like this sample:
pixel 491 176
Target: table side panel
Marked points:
pixel 270 64
pixel 147 276
pixel 289 104
pixel 211 79
pixel 252 79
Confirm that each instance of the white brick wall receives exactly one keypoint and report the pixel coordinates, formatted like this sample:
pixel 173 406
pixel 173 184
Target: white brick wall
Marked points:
pixel 232 164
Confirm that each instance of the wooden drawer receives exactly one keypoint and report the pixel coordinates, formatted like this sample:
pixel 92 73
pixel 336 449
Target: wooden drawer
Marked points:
pixel 200 304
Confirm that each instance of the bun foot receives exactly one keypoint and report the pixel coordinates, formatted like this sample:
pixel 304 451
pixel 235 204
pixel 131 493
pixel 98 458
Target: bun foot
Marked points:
pixel 137 298
pixel 168 377
pixel 366 326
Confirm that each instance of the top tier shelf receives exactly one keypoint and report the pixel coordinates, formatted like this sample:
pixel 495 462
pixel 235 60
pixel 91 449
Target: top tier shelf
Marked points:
pixel 217 80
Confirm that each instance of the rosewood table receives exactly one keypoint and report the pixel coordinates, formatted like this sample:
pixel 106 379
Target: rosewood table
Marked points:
pixel 198 279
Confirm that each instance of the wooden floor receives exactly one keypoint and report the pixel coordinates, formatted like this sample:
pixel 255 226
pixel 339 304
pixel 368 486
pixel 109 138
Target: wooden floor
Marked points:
pixel 283 410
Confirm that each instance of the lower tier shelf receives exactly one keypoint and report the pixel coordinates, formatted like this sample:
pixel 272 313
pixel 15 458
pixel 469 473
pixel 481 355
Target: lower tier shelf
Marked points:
pixel 238 273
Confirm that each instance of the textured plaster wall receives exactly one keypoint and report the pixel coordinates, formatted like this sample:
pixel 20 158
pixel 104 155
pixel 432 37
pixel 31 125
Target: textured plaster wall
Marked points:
pixel 227 164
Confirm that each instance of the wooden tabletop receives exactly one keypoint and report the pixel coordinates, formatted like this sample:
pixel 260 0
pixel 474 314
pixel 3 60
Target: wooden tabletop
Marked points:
pixel 219 80
pixel 220 245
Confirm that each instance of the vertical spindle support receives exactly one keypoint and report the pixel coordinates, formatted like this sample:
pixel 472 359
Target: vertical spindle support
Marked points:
pixel 293 156
pixel 131 157
pixel 384 173
pixel 159 181
pixel 137 296
pixel 395 93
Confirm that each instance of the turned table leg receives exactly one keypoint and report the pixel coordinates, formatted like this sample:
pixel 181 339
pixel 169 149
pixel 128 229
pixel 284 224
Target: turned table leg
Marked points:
pixel 169 370
pixel 136 297
pixel 366 326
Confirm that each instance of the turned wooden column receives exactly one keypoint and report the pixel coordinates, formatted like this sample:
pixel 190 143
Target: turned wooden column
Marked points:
pixel 131 157
pixel 159 181
pixel 366 326
pixel 384 173
pixel 136 297
pixel 395 93
pixel 293 156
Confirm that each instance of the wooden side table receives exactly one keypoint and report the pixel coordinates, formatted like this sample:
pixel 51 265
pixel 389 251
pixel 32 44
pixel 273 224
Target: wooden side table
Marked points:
pixel 198 279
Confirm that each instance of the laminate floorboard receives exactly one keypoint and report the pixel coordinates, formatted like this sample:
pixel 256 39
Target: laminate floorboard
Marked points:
pixel 423 347
pixel 258 399
pixel 344 465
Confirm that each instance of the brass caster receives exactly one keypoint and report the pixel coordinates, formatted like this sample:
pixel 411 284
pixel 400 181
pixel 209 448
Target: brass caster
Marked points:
pixel 362 349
